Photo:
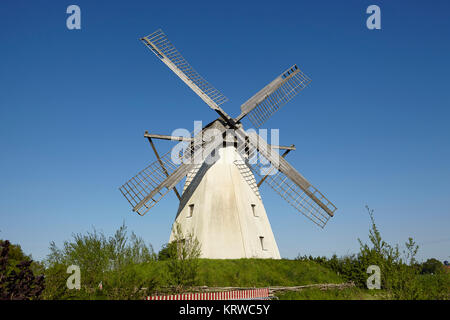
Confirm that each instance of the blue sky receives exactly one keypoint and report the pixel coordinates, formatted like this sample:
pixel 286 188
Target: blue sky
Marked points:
pixel 372 128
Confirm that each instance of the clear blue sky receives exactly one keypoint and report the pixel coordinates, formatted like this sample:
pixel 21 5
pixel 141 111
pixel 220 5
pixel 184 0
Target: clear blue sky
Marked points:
pixel 372 128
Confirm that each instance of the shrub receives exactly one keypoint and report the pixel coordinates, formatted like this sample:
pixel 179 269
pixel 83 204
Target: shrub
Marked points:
pixel 400 272
pixel 17 280
pixel 107 266
pixel 167 252
pixel 432 266
pixel 183 253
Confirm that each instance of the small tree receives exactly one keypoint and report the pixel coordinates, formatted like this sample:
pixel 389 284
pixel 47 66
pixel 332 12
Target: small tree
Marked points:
pixel 432 266
pixel 379 253
pixel 411 251
pixel 183 253
pixel 398 275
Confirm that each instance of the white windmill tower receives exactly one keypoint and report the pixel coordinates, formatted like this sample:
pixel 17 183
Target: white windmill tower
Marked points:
pixel 220 203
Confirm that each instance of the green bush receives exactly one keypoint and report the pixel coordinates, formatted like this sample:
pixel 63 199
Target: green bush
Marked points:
pixel 107 265
pixel 18 281
pixel 400 272
pixel 183 253
pixel 435 286
pixel 432 266
pixel 166 252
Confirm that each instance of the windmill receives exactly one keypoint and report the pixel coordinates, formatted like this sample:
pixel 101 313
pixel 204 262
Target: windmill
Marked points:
pixel 220 202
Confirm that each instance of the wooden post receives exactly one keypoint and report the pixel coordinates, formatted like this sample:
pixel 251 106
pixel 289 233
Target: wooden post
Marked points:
pixel 162 166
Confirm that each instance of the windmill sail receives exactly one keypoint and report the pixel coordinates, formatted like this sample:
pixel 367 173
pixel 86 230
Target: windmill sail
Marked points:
pixel 160 45
pixel 304 201
pixel 151 184
pixel 288 182
pixel 137 188
pixel 272 97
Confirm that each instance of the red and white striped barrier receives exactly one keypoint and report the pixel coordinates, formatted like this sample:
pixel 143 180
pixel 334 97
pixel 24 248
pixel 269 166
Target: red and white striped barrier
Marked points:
pixel 254 294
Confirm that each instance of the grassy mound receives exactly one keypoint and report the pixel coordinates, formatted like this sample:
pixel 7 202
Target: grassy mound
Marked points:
pixel 248 273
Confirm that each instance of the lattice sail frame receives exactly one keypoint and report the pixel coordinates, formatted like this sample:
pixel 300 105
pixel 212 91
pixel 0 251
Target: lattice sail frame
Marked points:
pixel 161 46
pixel 295 196
pixel 276 94
pixel 151 184
pixel 142 184
pixel 304 197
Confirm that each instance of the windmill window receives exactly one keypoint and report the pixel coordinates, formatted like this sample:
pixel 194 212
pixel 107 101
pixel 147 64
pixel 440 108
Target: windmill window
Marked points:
pixel 261 239
pixel 191 210
pixel 254 210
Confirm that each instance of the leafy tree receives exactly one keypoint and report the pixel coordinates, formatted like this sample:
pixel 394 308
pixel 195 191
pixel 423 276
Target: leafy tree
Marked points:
pixel 17 280
pixel 432 266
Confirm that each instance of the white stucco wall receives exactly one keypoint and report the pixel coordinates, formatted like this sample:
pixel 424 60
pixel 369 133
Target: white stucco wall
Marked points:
pixel 223 219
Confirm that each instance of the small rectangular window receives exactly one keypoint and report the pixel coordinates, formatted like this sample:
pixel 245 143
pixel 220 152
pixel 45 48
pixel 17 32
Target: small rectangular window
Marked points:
pixel 261 239
pixel 254 210
pixel 191 210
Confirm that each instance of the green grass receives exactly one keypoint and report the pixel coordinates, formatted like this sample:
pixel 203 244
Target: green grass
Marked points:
pixel 334 294
pixel 435 286
pixel 428 287
pixel 248 273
